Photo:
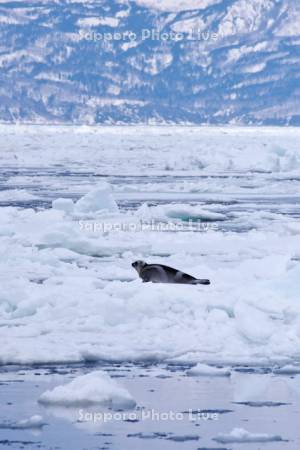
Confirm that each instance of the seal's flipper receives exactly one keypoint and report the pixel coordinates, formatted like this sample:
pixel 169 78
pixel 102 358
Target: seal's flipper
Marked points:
pixel 201 282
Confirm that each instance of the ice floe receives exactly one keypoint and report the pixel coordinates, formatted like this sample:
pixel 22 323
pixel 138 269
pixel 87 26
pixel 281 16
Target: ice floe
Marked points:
pixel 99 199
pixel 68 291
pixel 80 282
pixel 181 212
pixel 287 370
pixel 205 370
pixel 90 389
pixel 34 422
pixel 239 435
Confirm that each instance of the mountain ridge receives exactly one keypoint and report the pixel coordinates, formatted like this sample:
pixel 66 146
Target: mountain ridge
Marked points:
pixel 231 62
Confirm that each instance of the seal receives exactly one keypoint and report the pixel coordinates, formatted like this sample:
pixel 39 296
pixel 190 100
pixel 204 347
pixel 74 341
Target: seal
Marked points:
pixel 158 273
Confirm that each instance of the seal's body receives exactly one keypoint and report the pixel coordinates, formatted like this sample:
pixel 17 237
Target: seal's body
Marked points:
pixel 158 273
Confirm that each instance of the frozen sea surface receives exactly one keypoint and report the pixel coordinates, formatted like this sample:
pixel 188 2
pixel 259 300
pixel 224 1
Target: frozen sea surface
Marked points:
pixel 222 204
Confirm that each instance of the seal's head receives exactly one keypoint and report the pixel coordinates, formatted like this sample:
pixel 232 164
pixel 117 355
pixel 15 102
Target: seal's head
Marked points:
pixel 138 265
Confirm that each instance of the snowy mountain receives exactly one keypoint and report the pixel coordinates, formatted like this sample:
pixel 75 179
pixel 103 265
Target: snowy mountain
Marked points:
pixel 150 61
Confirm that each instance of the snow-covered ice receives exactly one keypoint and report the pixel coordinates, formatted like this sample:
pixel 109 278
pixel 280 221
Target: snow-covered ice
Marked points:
pixel 209 371
pixel 181 212
pixel 99 199
pixel 242 436
pixel 90 389
pixel 63 204
pixel 68 292
pixel 287 370
pixel 33 423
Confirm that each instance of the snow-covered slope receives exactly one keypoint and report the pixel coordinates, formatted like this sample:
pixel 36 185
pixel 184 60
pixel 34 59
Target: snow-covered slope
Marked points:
pixel 219 61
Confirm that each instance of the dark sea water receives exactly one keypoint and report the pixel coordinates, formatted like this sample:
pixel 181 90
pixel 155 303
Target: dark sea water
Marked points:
pixel 209 406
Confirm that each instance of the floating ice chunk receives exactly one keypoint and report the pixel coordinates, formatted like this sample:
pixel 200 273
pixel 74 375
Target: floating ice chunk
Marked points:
pixel 179 211
pixel 94 388
pixel 99 199
pixel 242 436
pixel 287 370
pixel 63 204
pixel 187 213
pixel 204 370
pixel 33 422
